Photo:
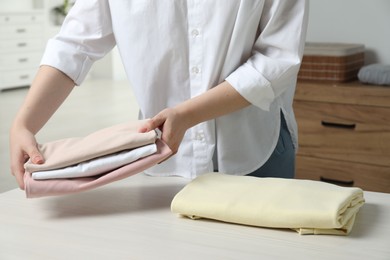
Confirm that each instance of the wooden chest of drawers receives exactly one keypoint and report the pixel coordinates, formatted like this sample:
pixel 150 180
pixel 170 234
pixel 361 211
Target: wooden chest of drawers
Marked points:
pixel 21 46
pixel 344 134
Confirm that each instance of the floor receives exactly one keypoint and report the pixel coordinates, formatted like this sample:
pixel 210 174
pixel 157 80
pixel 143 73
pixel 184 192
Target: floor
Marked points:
pixel 91 106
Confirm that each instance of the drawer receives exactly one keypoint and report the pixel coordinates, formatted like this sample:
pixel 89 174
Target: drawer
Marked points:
pixel 21 31
pixel 354 93
pixel 350 133
pixel 23 18
pixel 16 78
pixel 367 177
pixel 21 45
pixel 20 60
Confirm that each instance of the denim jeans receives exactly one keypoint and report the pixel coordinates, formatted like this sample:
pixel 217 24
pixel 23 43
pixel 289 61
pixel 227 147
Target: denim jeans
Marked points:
pixel 282 161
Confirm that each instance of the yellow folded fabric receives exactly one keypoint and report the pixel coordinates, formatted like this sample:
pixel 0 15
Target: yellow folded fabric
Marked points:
pixel 309 207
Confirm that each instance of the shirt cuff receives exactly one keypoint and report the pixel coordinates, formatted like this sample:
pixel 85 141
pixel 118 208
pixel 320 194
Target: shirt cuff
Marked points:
pixel 253 86
pixel 66 58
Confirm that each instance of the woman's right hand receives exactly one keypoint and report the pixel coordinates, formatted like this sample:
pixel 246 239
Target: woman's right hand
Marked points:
pixel 23 146
pixel 47 92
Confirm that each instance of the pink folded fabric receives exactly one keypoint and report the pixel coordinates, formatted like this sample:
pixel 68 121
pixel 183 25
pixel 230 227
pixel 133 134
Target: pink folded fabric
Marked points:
pixel 54 187
pixel 71 151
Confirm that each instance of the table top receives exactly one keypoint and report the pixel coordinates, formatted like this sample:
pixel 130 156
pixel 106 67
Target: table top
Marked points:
pixel 131 219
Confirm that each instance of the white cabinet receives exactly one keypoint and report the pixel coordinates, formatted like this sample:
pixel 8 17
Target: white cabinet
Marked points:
pixel 21 45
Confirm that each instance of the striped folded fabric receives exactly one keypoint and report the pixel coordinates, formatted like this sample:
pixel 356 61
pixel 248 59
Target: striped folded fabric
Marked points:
pixel 308 207
pixel 104 149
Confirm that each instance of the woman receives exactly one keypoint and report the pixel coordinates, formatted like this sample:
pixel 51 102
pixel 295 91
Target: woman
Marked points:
pixel 217 77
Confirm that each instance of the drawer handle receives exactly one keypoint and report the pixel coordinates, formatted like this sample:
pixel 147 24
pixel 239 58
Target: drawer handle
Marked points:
pixel 24 77
pixel 338 125
pixel 337 182
pixel 20 30
pixel 23 60
pixel 22 44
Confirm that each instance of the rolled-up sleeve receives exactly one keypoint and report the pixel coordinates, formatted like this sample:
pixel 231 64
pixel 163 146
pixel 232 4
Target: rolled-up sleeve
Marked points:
pixel 85 36
pixel 276 53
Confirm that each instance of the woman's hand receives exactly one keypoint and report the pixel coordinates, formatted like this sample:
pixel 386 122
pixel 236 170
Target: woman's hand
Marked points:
pixel 47 92
pixel 172 124
pixel 23 146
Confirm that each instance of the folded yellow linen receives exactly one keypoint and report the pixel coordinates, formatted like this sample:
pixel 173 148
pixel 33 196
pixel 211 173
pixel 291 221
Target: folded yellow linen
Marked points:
pixel 309 207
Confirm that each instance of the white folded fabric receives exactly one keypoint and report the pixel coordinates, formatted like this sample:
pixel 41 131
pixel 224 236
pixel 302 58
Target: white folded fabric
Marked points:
pixel 98 165
pixel 309 207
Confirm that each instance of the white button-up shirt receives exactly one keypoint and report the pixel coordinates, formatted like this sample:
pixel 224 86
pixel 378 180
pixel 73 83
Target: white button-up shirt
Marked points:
pixel 173 50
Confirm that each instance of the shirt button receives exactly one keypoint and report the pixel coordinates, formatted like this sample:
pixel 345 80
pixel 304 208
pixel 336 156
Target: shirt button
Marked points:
pixel 195 33
pixel 200 136
pixel 195 70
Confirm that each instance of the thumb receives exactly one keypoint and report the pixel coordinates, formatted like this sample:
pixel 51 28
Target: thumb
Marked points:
pixel 35 156
pixel 150 125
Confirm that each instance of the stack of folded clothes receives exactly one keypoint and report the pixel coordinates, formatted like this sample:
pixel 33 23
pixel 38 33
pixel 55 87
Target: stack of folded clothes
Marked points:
pixel 83 163
pixel 375 74
pixel 308 207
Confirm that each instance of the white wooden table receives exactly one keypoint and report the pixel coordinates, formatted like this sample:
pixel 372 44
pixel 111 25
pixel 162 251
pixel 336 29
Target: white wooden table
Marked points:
pixel 131 219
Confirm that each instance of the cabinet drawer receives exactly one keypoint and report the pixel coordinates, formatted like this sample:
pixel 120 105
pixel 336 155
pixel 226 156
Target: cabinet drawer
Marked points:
pixel 20 60
pixel 16 78
pixel 367 177
pixel 21 31
pixel 24 18
pixel 21 45
pixel 350 133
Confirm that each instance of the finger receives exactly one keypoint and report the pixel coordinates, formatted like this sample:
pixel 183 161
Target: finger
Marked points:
pixel 17 170
pixel 166 158
pixel 151 124
pixel 172 154
pixel 145 127
pixel 20 179
pixel 35 156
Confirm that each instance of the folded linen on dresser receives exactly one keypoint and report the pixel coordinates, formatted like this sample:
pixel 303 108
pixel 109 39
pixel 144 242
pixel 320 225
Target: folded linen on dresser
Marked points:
pixel 71 151
pixel 309 207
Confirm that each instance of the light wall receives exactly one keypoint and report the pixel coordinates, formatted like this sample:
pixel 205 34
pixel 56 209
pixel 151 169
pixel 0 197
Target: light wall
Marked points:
pixel 353 21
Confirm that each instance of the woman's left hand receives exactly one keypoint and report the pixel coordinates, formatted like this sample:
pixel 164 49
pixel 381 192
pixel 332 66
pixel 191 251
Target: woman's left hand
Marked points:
pixel 172 124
